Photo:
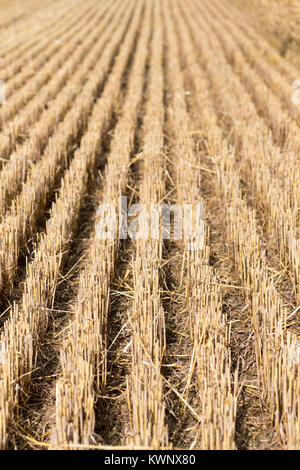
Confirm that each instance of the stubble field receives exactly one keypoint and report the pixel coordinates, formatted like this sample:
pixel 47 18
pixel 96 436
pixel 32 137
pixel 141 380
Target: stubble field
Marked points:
pixel 111 343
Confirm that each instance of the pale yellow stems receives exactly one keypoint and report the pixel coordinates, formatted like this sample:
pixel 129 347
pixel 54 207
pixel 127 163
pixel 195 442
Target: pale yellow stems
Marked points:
pixel 209 345
pixel 59 95
pixel 278 20
pixel 28 322
pixel 33 51
pixel 22 94
pixel 147 408
pixel 75 421
pixel 38 22
pixel 269 316
pixel 21 220
pixel 271 169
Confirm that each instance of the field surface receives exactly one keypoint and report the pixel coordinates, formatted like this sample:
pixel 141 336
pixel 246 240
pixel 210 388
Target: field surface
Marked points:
pixel 123 343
